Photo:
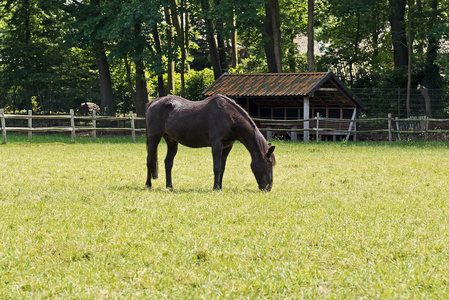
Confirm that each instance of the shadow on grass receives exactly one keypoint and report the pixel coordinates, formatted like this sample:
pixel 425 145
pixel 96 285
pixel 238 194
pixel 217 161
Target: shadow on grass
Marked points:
pixel 185 191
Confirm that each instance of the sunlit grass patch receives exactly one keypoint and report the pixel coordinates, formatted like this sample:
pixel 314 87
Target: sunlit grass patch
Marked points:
pixel 342 221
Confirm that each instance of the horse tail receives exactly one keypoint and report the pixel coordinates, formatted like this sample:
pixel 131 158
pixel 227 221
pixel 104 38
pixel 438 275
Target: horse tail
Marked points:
pixel 152 161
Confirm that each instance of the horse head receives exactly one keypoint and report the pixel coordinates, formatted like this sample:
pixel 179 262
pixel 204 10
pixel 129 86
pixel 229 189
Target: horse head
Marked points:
pixel 263 169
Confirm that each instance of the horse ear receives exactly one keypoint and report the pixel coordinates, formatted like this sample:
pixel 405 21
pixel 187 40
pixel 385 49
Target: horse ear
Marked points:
pixel 270 150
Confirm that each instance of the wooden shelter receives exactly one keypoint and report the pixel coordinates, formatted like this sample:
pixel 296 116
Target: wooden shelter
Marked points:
pixel 291 96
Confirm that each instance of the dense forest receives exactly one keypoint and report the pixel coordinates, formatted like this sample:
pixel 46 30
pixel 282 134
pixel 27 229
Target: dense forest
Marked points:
pixel 119 53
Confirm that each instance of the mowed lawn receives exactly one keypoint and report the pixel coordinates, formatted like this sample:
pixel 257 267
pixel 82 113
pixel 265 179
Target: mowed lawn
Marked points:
pixel 343 220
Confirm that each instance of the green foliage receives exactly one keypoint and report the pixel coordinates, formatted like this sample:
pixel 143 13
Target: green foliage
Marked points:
pixel 50 45
pixel 197 82
pixel 343 221
pixel 251 64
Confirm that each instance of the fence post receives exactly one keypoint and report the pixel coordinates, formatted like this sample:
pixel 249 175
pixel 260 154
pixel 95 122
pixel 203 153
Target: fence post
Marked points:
pixel 317 126
pixel 426 120
pixel 2 116
pixel 94 125
pixel 72 124
pixel 133 127
pixel 390 134
pixel 30 125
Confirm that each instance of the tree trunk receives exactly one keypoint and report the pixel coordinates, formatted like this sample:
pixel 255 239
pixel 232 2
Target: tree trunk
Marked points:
pixel 291 52
pixel 432 77
pixel 187 40
pixel 27 42
pixel 141 83
pixel 221 46
pixel 272 35
pixel 215 59
pixel 157 43
pixel 310 36
pixel 177 23
pixel 183 53
pixel 171 63
pixel 107 102
pixel 128 80
pixel 409 63
pixel 141 89
pixel 104 74
pixel 398 32
pixel 234 51
pixel 220 40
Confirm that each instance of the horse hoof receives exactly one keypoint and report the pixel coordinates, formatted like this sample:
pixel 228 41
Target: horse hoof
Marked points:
pixel 169 189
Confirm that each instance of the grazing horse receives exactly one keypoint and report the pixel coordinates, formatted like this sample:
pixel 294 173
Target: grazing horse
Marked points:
pixel 216 122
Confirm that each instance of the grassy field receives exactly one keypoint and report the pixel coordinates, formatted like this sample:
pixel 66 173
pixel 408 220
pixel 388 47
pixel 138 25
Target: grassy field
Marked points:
pixel 343 221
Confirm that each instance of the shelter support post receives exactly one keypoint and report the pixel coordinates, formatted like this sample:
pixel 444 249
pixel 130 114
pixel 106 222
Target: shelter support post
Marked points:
pixel 354 115
pixel 133 126
pixel 306 116
pixel 72 124
pixel 2 115
pixel 390 127
pixel 30 125
pixel 94 125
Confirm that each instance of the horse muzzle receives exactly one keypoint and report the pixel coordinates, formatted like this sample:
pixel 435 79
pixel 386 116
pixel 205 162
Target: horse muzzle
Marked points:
pixel 266 188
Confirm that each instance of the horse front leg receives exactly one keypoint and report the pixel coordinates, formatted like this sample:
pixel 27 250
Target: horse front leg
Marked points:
pixel 152 167
pixel 224 157
pixel 217 153
pixel 172 149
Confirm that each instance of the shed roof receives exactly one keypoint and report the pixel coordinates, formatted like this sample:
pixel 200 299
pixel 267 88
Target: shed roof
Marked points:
pixel 324 87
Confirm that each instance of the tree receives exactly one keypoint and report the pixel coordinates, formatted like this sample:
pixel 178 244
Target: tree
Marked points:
pixel 398 32
pixel 130 30
pixel 293 14
pixel 210 30
pixel 107 101
pixel 272 37
pixel 353 38
pixel 432 77
pixel 33 54
pixel 170 57
pixel 310 36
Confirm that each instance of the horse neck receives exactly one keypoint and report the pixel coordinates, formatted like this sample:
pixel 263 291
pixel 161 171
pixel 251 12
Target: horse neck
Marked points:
pixel 254 143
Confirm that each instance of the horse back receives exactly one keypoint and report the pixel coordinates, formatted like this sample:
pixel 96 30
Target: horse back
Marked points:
pixel 195 123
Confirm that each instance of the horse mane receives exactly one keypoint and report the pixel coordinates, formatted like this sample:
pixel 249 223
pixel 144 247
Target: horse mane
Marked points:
pixel 243 112
pixel 261 142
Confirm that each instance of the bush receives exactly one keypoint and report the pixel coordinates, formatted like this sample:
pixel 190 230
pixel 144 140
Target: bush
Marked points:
pixel 197 82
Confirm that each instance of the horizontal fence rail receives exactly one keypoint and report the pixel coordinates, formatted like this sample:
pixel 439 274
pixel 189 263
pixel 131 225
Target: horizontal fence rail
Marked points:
pixel 319 126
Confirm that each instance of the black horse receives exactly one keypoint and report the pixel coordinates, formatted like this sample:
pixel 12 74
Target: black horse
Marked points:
pixel 216 122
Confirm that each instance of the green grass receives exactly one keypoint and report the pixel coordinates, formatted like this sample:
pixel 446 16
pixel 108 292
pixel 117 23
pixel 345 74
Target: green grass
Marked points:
pixel 342 221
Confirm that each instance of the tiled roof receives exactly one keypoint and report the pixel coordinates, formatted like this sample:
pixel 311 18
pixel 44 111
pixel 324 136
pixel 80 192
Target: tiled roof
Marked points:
pixel 269 84
pixel 322 86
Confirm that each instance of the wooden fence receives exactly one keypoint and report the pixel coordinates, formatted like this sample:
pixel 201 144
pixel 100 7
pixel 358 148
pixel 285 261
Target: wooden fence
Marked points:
pixel 319 126
pixel 392 128
pixel 72 128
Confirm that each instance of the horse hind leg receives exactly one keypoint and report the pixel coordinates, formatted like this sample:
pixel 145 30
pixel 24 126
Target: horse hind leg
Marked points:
pixel 172 149
pixel 152 165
